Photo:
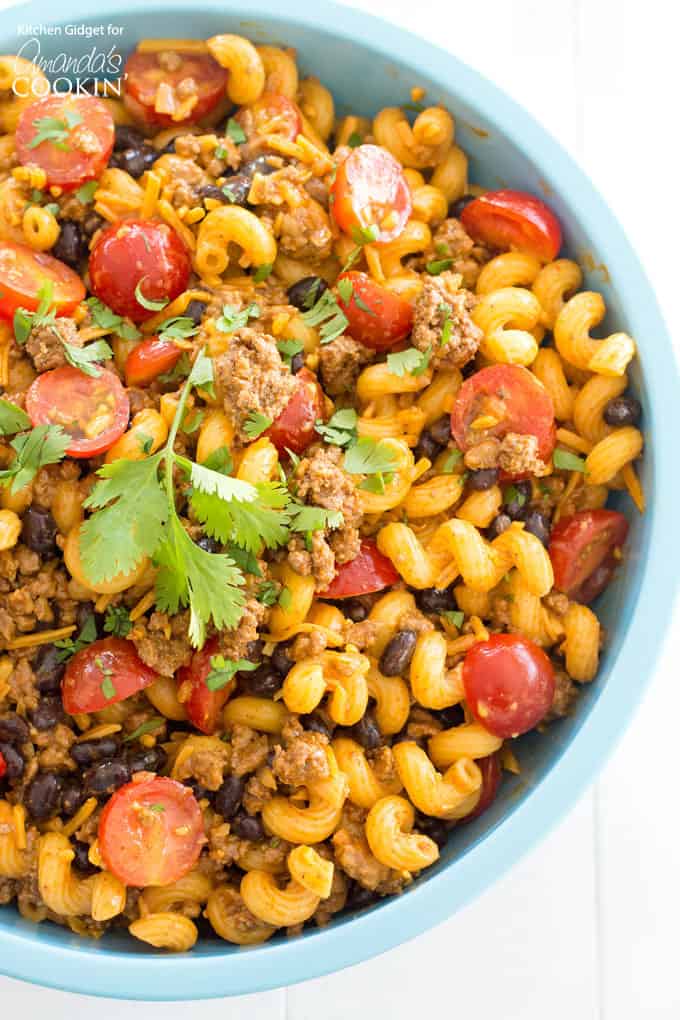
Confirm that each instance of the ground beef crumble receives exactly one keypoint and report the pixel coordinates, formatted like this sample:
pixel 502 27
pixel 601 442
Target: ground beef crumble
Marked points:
pixel 160 652
pixel 353 855
pixel 451 240
pixel 252 378
pixel 340 363
pixel 441 306
pixel 45 343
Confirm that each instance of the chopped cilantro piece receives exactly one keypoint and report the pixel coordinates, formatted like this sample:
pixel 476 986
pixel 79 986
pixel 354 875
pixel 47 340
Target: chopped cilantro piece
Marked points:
pixel 566 461
pixel 148 303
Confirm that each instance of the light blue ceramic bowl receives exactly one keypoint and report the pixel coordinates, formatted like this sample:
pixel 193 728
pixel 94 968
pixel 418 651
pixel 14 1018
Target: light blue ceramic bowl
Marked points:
pixel 369 64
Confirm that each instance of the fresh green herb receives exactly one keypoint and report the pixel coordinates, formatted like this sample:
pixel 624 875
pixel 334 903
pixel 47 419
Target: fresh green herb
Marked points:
pixel 365 235
pixel 263 271
pixel 104 317
pixel 220 460
pixel 255 424
pixel 229 193
pixel 354 140
pixel 192 420
pixel 150 726
pixel 108 687
pixel 235 131
pixel 85 193
pixel 312 295
pixel 50 129
pixel 247 516
pixel 369 457
pixel 244 560
pixel 117 621
pixel 377 483
pixel 222 671
pixel 12 418
pixel 413 107
pixel 37 196
pixel 157 809
pixel 340 429
pixel 69 646
pixel 327 314
pixel 179 372
pixel 437 266
pixel 452 458
pixel 267 593
pixel 454 616
pixel 23 322
pixel 144 441
pixel 566 461
pixel 345 289
pixel 285 598
pixel 313 518
pixel 447 324
pixel 42 316
pixel 180 327
pixel 45 444
pixel 148 303
pixel 288 349
pixel 511 494
pixel 221 153
pixel 85 358
pixel 441 248
pixel 51 207
pixel 231 319
pixel 409 362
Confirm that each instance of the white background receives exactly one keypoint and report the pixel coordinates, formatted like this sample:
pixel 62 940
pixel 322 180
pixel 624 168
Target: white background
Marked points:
pixel 585 927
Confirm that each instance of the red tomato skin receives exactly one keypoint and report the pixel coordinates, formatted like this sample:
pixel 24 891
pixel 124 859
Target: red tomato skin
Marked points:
pixel 582 544
pixel 81 689
pixel 273 114
pixel 68 383
pixel 490 767
pixel 3 765
pixel 369 571
pixel 67 170
pixel 528 406
pixel 509 684
pixel 294 428
pixel 369 184
pixel 150 358
pixel 131 251
pixel 142 74
pixel 203 706
pixel 389 320
pixel 24 271
pixel 514 219
pixel 128 847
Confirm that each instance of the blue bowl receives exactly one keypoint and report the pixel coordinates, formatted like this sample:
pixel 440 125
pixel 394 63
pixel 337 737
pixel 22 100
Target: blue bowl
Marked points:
pixel 369 64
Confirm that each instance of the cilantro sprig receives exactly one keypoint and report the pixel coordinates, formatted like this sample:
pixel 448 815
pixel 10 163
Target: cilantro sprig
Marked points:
pixel 409 362
pixel 566 461
pixel 43 445
pixel 104 317
pixel 232 319
pixel 51 129
pixel 340 429
pixel 12 418
pixel 327 314
pixel 85 358
pixel 222 671
pixel 149 303
pixel 69 646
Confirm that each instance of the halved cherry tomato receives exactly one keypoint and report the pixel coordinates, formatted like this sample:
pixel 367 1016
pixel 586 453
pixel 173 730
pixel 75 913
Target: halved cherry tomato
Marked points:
pixel 24 273
pixel 582 545
pixel 154 92
pixel 369 571
pixel 511 395
pixel 271 114
pixel 513 219
pixel 3 765
pixel 378 318
pixel 203 706
pixel 294 428
pixel 490 767
pixel 78 135
pixel 138 253
pixel 370 190
pixel 509 684
pixel 149 359
pixel 67 397
pixel 151 831
pixel 102 674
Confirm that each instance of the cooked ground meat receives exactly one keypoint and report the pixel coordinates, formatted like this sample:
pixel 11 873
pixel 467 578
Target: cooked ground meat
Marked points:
pixel 318 562
pixel 32 593
pixel 56 743
pixel 383 764
pixel 252 378
pixel 190 147
pixel 303 761
pixel 362 634
pixel 442 306
pixel 557 601
pixel 353 855
pixel 236 644
pixel 566 693
pixel 421 723
pixel 277 189
pixel 518 455
pixel 249 749
pixel 340 363
pixel 305 233
pixel 451 240
pixel 322 482
pixel 206 766
pixel 47 480
pixel 45 343
pixel 333 903
pixel 306 646
pixel 260 788
pixel 483 455
pixel 161 652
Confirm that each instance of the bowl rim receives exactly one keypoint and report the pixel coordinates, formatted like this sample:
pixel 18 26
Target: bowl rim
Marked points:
pixel 156 977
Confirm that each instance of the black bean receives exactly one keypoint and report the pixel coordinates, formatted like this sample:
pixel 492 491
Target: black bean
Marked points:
pixel 622 411
pixel 499 524
pixel 91 224
pixel 48 669
pixel 259 165
pixel 208 544
pixel 435 828
pixel 482 479
pixel 146 759
pixel 48 712
pixel 538 524
pixel 262 682
pixel 358 898
pixel 440 430
pixel 106 777
pixel 366 732
pixel 280 659
pixel 81 861
pixel 127 137
pixel 515 498
pixel 228 797
pixel 135 160
pixel 403 735
pixel 72 795
pixel 296 362
pixel 194 311
pixel 427 446
pixel 453 716
pixel 199 792
pixel 315 723
pixel 168 149
pixel 43 795
pixel 39 531
pixel 14 762
pixel 457 207
pixel 71 245
pixel 354 609
pixel 398 653
pixel 596 582
pixel 13 729
pixel 89 752
pixel 255 650
pixel 306 292
pixel 246 827
pixel 435 600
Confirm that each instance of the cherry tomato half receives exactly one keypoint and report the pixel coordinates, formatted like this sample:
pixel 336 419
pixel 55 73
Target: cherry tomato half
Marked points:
pixel 514 397
pixel 368 572
pixel 509 684
pixel 582 545
pixel 203 706
pixel 102 674
pixel 154 92
pixel 294 428
pixel 3 765
pixel 67 397
pixel 378 318
pixel 138 253
pixel 78 135
pixel 150 358
pixel 151 831
pixel 271 114
pixel 513 219
pixel 370 190
pixel 24 273
pixel 490 767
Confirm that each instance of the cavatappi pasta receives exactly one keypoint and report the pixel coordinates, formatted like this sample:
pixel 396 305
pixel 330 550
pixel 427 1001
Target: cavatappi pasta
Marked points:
pixel 306 443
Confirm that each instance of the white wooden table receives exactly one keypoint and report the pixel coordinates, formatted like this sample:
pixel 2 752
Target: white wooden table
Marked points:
pixel 585 927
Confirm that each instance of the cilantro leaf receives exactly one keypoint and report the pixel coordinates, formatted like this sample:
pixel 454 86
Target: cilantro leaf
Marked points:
pixel 51 129
pixel 447 325
pixel 45 444
pixel 107 685
pixel 69 646
pixel 12 418
pixel 179 372
pixel 84 358
pixel 150 726
pixel 247 524
pixel 368 457
pixel 202 374
pixel 231 319
pixel 180 327
pixel 366 235
pixel 85 193
pixel 117 621
pixel 235 131
pixel 262 272
pixel 227 488
pixel 220 460
pixel 245 561
pixel 376 483
pixel 222 671
pixel 454 616
pixel 511 494
pixel 341 427
pixel 104 317
pixel 267 593
pixel 437 266
pixel 452 458
pixel 149 303
pixel 313 518
pixel 22 322
pixel 285 598
pixel 566 461
pixel 408 362
pixel 354 140
pixel 288 349
pixel 255 424
pixel 327 314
